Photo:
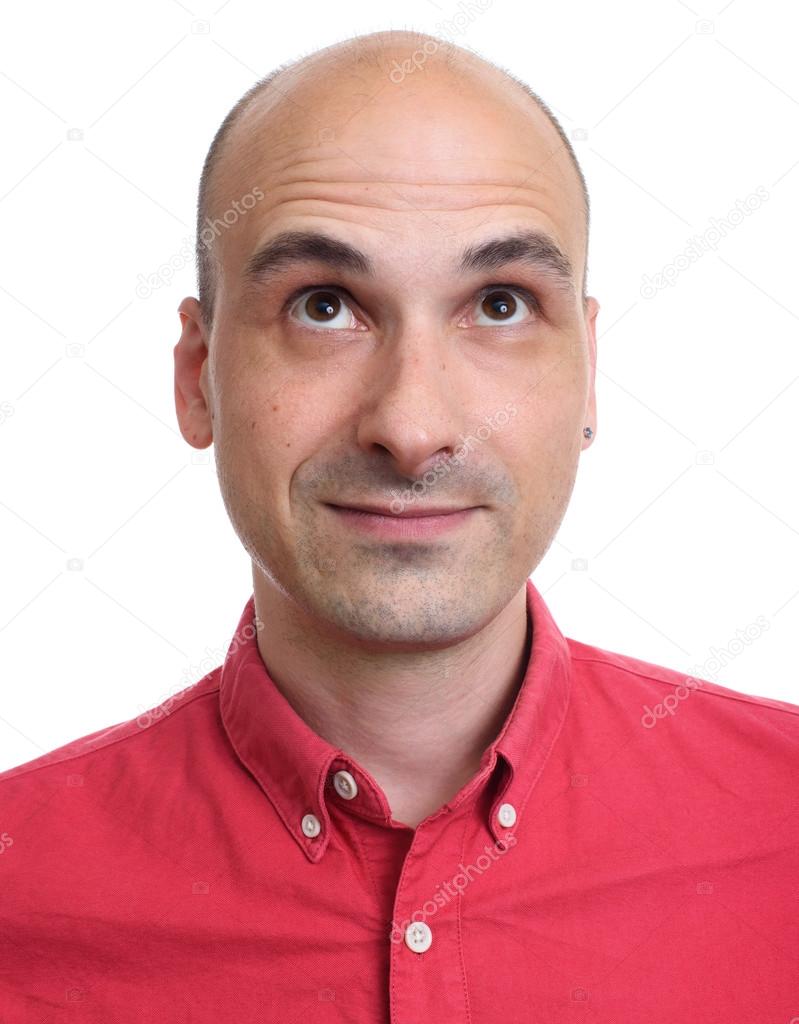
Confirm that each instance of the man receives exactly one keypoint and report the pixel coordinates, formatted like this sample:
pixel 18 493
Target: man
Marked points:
pixel 405 795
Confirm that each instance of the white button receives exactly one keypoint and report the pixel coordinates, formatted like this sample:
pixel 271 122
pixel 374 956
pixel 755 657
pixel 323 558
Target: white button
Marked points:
pixel 310 825
pixel 507 815
pixel 418 937
pixel 345 785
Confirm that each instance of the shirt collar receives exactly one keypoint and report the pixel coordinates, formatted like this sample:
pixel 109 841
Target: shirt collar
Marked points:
pixel 296 767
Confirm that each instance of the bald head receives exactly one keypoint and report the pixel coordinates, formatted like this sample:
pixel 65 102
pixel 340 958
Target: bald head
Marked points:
pixel 371 63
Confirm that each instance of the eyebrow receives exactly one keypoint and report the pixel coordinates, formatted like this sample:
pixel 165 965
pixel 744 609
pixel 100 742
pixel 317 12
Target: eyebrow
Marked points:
pixel 533 248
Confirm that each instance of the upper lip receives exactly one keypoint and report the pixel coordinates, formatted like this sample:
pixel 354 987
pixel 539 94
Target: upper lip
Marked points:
pixel 406 513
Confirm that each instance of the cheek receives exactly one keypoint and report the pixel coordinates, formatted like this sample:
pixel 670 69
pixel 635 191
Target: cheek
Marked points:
pixel 543 430
pixel 268 434
pixel 257 408
pixel 541 449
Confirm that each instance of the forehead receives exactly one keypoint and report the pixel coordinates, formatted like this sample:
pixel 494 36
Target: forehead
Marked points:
pixel 415 164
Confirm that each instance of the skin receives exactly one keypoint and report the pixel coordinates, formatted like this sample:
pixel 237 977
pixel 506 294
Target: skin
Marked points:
pixel 407 655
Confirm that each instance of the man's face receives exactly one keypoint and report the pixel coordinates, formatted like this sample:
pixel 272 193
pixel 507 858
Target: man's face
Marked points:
pixel 418 385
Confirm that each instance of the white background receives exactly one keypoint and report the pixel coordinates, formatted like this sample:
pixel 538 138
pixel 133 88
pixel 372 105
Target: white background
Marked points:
pixel 676 112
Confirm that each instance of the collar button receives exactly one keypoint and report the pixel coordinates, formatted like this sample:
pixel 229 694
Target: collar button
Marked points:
pixel 507 815
pixel 345 785
pixel 311 826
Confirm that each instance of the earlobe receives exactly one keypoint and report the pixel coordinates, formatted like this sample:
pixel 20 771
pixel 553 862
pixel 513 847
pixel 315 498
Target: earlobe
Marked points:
pixel 191 377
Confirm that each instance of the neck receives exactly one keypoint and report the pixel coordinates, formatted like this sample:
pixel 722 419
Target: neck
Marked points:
pixel 417 721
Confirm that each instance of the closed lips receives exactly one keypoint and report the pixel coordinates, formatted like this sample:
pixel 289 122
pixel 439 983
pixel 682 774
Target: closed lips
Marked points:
pixel 405 514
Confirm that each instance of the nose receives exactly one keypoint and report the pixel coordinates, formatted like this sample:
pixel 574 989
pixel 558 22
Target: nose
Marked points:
pixel 410 403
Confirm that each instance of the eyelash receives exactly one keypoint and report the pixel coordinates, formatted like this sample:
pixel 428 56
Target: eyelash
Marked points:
pixel 525 293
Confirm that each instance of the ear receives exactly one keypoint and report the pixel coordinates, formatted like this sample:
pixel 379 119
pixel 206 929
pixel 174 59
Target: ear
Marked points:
pixel 591 310
pixel 191 377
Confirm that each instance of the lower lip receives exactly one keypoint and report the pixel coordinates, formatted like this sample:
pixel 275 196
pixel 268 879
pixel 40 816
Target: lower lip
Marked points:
pixel 402 528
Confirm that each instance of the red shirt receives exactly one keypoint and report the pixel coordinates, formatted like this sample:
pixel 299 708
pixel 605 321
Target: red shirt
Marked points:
pixel 628 852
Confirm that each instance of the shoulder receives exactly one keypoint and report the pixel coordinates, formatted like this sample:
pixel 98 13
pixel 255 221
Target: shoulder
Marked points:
pixel 132 741
pixel 660 690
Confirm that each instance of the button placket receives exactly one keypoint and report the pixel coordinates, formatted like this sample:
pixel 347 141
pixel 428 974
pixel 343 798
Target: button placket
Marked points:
pixel 425 961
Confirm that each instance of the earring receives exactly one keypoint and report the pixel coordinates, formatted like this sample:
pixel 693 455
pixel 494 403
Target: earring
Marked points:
pixel 587 432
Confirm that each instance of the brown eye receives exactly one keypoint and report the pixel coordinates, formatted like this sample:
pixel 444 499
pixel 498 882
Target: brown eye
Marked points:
pixel 322 306
pixel 324 309
pixel 500 306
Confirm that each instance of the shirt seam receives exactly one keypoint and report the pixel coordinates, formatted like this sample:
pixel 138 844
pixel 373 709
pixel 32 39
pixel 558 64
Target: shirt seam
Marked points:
pixel 110 743
pixel 376 893
pixel 743 698
pixel 548 754
pixel 461 954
